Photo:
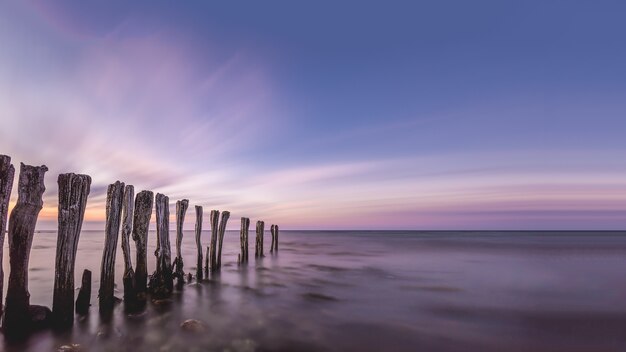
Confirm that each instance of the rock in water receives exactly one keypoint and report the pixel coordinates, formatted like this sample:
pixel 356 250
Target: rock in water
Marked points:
pixel 41 317
pixel 193 325
pixel 73 347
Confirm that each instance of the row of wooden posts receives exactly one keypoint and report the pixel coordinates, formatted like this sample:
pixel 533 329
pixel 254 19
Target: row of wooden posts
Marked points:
pixel 122 209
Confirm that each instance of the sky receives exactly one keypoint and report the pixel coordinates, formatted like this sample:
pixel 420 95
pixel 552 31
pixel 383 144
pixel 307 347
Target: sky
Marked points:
pixel 417 115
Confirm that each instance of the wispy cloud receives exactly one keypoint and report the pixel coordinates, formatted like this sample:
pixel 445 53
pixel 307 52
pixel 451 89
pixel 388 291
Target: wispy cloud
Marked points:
pixel 122 96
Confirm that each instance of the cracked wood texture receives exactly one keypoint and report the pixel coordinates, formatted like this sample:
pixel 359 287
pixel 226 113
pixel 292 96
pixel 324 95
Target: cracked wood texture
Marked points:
pixel 141 223
pixel 115 195
pixel 199 241
pixel 215 215
pixel 179 273
pixel 258 248
pixel 161 283
pixel 17 314
pixel 7 173
pixel 73 192
pixel 222 230
pixel 243 240
pixel 128 205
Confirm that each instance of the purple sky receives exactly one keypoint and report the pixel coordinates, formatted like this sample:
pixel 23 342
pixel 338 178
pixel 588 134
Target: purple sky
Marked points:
pixel 372 115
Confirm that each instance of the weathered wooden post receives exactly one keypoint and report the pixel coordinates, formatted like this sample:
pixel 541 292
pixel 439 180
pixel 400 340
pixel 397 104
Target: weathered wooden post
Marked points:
pixel 222 230
pixel 73 192
pixel 258 249
pixel 215 215
pixel 198 241
pixel 206 261
pixel 141 223
pixel 83 301
pixel 243 240
pixel 128 205
pixel 161 283
pixel 181 209
pixel 115 196
pixel 276 241
pixel 272 233
pixel 19 315
pixel 7 173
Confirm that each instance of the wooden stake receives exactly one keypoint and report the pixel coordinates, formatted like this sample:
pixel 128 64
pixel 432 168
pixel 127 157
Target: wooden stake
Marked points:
pixel 84 294
pixel 7 173
pixel 215 215
pixel 73 192
pixel 258 249
pixel 181 209
pixel 274 232
pixel 128 205
pixel 206 261
pixel 115 196
pixel 222 230
pixel 198 241
pixel 141 224
pixel 276 241
pixel 161 283
pixel 243 240
pixel 18 317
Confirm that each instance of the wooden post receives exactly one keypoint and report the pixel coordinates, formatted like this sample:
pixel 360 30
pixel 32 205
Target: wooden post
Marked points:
pixel 128 205
pixel 181 209
pixel 84 294
pixel 115 196
pixel 243 240
pixel 222 230
pixel 141 223
pixel 18 317
pixel 276 241
pixel 206 261
pixel 7 173
pixel 161 283
pixel 198 241
pixel 272 233
pixel 73 192
pixel 258 249
pixel 215 215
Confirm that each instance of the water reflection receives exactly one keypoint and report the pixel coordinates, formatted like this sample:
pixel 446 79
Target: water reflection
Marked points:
pixel 366 291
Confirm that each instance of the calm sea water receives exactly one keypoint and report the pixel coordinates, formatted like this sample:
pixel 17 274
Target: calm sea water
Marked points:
pixel 368 291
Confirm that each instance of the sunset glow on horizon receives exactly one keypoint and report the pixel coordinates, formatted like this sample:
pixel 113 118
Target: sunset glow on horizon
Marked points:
pixel 416 119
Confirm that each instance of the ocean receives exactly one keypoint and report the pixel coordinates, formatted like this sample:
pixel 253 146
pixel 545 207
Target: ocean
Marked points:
pixel 364 291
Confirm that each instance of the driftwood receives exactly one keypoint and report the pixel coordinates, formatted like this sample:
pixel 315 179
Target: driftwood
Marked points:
pixel 243 240
pixel 7 173
pixel 179 274
pixel 19 316
pixel 199 241
pixel 84 294
pixel 222 230
pixel 141 223
pixel 73 192
pixel 128 205
pixel 215 215
pixel 161 282
pixel 258 248
pixel 115 195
